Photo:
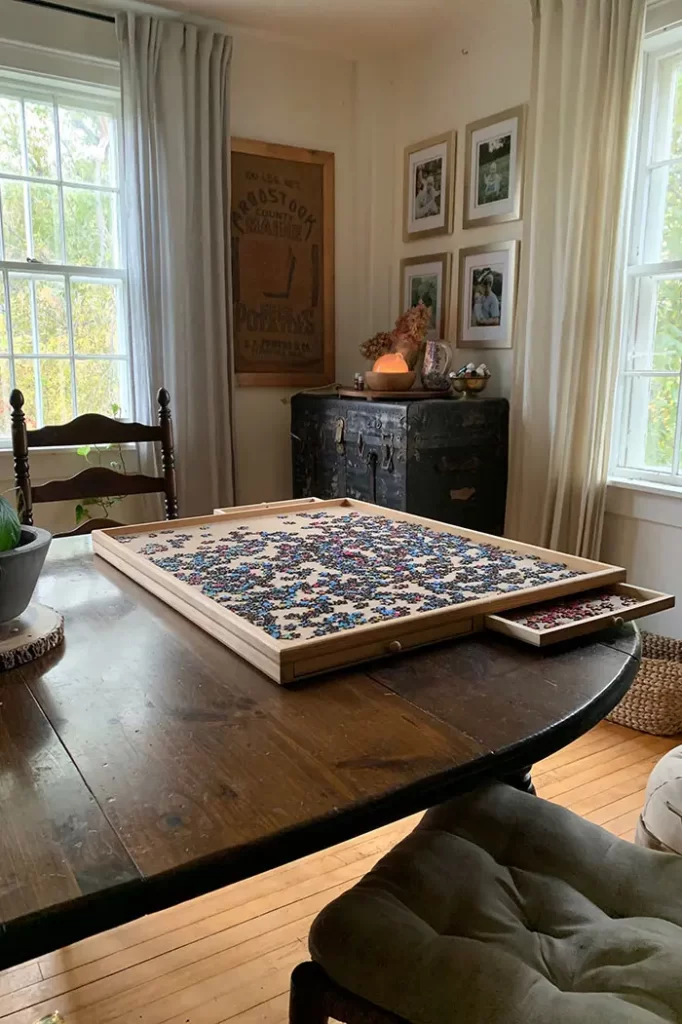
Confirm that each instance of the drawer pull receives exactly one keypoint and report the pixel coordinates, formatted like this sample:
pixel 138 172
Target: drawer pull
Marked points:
pixel 618 621
pixel 395 647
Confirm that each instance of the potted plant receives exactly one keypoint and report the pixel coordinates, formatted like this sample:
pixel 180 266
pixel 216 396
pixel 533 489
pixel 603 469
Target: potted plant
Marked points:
pixel 22 553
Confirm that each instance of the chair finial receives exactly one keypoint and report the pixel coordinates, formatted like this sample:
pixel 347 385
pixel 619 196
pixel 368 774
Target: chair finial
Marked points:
pixel 16 399
pixel 163 398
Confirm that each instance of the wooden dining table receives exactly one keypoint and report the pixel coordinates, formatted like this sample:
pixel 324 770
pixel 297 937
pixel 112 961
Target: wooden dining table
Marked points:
pixel 142 763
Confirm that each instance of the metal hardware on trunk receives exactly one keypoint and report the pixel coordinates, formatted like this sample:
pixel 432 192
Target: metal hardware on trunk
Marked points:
pixel 387 461
pixel 372 460
pixel 338 436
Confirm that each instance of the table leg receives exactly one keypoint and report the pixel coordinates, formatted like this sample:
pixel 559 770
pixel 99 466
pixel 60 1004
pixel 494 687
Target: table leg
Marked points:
pixel 521 780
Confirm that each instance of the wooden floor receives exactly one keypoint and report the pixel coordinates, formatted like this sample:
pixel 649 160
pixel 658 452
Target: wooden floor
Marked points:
pixel 228 955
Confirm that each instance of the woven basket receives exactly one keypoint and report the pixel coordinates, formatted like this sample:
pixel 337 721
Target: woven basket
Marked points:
pixel 654 701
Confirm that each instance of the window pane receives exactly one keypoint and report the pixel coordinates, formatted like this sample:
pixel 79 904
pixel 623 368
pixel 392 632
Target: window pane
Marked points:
pixel 652 422
pixel 86 147
pixel 4 339
pixel 98 386
pixel 4 399
pixel 21 314
pixel 655 342
pixel 55 384
pixel 13 221
pixel 41 150
pixel 95 326
pixel 47 243
pixel 53 335
pixel 25 380
pixel 10 135
pixel 90 225
pixel 663 229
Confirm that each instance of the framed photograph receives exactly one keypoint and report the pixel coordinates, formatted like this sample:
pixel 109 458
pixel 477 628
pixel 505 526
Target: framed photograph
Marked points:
pixel 282 216
pixel 493 185
pixel 428 279
pixel 429 186
pixel 487 295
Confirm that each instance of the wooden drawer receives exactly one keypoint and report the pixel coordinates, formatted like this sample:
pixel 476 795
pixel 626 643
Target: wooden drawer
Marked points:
pixel 583 614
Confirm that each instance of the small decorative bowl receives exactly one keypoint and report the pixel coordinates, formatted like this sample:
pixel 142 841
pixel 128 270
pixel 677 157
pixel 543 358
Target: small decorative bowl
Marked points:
pixel 378 381
pixel 466 386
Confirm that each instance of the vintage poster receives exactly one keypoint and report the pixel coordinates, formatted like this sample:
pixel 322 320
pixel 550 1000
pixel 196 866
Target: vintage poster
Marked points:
pixel 282 220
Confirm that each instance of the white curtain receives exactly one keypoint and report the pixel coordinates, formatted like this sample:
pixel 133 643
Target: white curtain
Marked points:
pixel 176 173
pixel 570 300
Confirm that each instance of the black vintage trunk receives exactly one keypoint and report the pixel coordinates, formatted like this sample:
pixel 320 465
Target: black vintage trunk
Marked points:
pixel 440 458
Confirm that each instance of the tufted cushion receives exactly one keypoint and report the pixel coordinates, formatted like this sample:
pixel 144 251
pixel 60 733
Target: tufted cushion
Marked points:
pixel 660 825
pixel 501 908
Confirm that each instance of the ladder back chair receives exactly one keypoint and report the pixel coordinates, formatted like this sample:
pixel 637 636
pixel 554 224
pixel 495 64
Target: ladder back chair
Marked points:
pixel 95 481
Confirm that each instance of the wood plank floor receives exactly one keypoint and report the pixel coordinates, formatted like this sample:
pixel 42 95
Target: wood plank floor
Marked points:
pixel 227 956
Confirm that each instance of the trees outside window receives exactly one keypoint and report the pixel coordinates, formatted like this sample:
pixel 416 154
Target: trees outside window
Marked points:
pixel 62 279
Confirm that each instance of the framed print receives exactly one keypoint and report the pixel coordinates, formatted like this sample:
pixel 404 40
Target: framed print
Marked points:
pixel 429 185
pixel 493 185
pixel 487 295
pixel 428 279
pixel 282 217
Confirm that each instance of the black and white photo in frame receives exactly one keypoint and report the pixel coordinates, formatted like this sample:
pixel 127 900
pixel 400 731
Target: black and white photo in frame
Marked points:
pixel 429 187
pixel 493 185
pixel 428 279
pixel 487 295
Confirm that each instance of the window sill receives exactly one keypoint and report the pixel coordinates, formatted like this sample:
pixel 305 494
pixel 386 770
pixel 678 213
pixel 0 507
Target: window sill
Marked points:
pixel 645 487
pixel 645 500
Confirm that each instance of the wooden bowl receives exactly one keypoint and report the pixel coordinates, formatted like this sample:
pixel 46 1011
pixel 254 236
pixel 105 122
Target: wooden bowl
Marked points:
pixel 377 381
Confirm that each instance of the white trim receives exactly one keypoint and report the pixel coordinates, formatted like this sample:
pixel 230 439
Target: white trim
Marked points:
pixel 87 59
pixel 18 56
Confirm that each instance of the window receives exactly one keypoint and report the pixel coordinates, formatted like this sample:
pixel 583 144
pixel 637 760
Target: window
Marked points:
pixel 62 280
pixel 648 425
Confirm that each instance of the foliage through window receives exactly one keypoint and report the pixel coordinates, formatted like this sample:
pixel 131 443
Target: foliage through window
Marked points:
pixel 62 328
pixel 648 425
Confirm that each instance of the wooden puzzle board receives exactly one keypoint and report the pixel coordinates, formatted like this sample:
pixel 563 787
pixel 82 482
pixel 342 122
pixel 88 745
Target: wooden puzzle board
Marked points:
pixel 299 591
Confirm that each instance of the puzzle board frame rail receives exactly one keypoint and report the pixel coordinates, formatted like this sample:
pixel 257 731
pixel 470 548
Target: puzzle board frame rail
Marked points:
pixel 288 660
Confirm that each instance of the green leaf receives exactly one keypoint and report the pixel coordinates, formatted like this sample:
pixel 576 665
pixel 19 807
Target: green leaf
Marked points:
pixel 84 450
pixel 115 408
pixel 81 514
pixel 10 527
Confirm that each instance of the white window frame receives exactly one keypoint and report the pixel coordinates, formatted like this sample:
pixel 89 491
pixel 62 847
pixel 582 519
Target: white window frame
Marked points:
pixel 88 96
pixel 639 310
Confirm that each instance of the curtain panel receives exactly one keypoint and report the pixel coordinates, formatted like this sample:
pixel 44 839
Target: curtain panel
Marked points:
pixel 175 99
pixel 585 70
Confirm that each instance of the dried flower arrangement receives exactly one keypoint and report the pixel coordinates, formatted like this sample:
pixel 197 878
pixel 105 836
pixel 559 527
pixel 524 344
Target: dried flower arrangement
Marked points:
pixel 407 337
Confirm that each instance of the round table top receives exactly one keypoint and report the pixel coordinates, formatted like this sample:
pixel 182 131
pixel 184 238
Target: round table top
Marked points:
pixel 179 768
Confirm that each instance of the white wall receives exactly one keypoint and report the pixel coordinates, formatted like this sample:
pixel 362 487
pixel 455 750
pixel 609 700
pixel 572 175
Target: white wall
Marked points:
pixel 480 67
pixel 643 533
pixel 320 101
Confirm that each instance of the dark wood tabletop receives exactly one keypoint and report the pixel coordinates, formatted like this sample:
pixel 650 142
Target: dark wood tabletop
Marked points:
pixel 143 763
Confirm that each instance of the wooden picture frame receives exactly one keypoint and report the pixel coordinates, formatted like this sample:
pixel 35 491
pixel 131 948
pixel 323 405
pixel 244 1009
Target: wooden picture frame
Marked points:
pixel 288 660
pixel 433 285
pixel 283 290
pixel 495 195
pixel 429 171
pixel 498 262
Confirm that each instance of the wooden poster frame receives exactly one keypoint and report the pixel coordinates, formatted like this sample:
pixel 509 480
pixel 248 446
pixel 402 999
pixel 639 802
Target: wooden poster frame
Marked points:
pixel 325 159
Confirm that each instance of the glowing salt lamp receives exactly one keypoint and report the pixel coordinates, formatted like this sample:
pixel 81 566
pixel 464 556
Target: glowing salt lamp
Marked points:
pixel 392 362
pixel 390 373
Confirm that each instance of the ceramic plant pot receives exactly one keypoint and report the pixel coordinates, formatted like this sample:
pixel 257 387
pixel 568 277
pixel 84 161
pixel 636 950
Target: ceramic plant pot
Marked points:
pixel 20 569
